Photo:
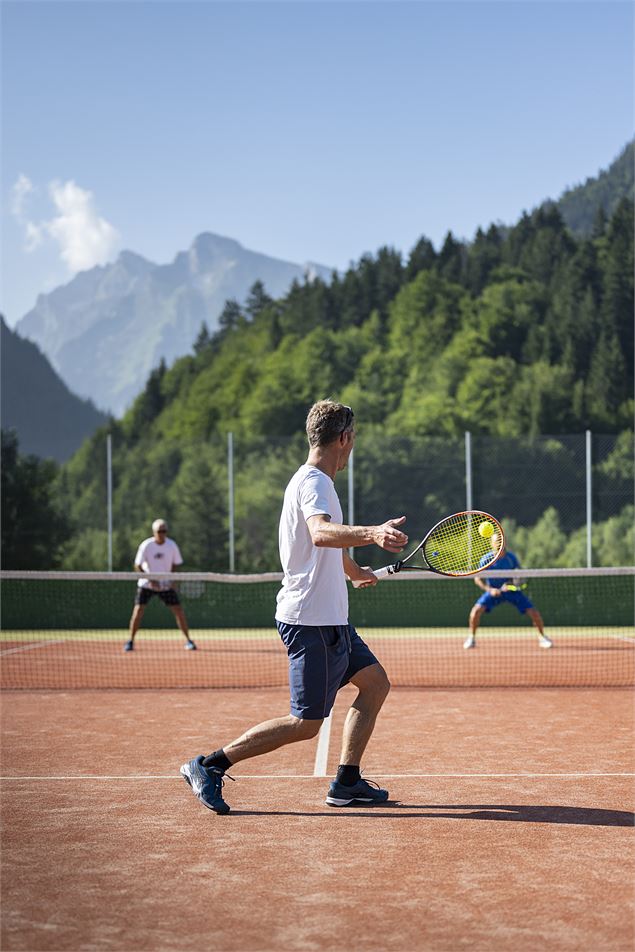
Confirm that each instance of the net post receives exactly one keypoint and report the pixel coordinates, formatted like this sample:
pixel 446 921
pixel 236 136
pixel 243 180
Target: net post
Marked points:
pixel 230 491
pixel 589 504
pixel 109 497
pixel 351 495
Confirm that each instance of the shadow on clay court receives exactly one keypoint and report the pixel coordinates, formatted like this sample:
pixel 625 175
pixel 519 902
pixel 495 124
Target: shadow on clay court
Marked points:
pixel 584 816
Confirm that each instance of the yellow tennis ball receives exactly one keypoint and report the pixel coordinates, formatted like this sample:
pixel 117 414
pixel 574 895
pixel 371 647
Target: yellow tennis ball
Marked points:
pixel 486 529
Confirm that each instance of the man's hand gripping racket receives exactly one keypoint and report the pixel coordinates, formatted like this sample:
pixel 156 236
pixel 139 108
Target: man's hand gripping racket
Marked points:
pixel 460 545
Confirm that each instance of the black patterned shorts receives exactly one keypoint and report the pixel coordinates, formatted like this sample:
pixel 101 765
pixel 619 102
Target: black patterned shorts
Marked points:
pixel 167 595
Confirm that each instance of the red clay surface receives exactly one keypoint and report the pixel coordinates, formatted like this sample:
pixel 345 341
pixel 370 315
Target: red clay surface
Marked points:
pixel 511 829
pixel 51 661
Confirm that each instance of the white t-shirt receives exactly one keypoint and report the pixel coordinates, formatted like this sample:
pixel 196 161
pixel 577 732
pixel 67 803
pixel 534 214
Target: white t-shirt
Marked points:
pixel 153 557
pixel 314 586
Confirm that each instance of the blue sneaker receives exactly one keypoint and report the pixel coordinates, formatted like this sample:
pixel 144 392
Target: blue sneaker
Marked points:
pixel 190 646
pixel 206 784
pixel 364 792
pixel 129 646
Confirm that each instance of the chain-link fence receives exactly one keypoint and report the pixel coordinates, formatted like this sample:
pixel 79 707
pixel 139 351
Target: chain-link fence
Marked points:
pixel 564 500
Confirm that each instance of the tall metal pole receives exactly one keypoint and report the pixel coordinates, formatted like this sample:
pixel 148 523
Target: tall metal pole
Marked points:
pixel 109 496
pixel 468 471
pixel 230 479
pixel 468 489
pixel 351 494
pixel 589 504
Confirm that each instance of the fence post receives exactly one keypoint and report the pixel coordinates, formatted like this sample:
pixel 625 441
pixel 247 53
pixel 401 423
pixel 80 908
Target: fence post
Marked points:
pixel 109 497
pixel 589 504
pixel 468 471
pixel 230 481
pixel 351 495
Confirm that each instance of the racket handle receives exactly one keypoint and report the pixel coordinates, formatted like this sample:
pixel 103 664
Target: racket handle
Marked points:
pixel 380 573
pixel 385 571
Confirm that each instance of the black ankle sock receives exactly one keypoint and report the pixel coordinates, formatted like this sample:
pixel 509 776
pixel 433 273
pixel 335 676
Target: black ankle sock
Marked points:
pixel 217 760
pixel 347 775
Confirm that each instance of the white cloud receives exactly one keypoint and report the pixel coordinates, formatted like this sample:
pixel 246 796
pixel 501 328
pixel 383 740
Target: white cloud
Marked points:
pixel 32 235
pixel 84 238
pixel 19 193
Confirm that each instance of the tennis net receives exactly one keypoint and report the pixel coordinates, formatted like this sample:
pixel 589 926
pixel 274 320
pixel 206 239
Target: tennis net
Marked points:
pixel 67 630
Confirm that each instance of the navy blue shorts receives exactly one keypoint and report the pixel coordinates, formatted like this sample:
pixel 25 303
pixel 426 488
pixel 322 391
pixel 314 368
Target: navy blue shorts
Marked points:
pixel 321 661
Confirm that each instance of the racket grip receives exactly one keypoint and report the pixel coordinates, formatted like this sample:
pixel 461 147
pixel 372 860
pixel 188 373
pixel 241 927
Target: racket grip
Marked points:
pixel 385 571
pixel 380 573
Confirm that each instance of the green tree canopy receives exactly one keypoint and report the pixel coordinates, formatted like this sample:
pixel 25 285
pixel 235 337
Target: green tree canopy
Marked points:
pixel 33 527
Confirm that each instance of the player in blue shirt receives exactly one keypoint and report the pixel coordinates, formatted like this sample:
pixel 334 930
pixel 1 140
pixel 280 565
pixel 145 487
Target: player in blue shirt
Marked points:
pixel 495 592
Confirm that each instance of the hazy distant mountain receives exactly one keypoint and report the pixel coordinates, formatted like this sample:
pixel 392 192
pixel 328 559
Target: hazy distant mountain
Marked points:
pixel 579 206
pixel 106 329
pixel 49 419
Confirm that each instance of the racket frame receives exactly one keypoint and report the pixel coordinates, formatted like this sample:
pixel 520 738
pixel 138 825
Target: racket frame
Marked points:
pixel 400 566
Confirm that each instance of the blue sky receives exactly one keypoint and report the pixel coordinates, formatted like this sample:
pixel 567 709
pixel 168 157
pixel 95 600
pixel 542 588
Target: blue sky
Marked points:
pixel 310 131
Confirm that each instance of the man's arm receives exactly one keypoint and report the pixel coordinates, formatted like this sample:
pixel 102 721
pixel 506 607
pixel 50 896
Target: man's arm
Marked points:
pixel 139 568
pixel 334 535
pixel 482 583
pixel 516 565
pixel 364 576
pixel 486 587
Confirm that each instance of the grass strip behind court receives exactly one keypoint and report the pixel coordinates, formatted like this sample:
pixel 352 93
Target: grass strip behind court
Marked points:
pixel 558 634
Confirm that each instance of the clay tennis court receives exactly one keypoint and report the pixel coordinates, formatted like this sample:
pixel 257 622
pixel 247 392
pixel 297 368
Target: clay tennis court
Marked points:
pixel 511 820
pixel 511 825
pixel 249 658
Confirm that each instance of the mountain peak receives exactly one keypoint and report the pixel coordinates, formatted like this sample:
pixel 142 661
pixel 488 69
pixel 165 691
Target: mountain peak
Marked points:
pixel 207 250
pixel 131 261
pixel 106 329
pixel 208 241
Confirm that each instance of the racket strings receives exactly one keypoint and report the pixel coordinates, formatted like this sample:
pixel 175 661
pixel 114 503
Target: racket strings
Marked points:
pixel 463 543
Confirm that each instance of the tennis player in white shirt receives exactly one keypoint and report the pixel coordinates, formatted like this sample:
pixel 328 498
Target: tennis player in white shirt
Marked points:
pixel 325 652
pixel 157 554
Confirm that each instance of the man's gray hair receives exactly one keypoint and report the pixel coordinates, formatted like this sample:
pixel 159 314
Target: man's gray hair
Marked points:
pixel 326 420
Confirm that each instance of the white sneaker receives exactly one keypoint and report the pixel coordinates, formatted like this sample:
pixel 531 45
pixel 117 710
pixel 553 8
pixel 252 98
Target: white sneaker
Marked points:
pixel 545 642
pixel 470 642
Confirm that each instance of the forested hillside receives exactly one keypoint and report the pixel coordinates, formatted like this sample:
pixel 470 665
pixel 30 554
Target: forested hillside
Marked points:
pixel 521 332
pixel 48 418
pixel 585 206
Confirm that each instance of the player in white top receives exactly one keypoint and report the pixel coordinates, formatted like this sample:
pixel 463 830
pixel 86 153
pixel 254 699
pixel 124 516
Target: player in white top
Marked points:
pixel 157 554
pixel 325 652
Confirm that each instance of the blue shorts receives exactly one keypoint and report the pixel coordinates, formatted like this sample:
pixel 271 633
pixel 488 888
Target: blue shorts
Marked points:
pixel 321 661
pixel 518 599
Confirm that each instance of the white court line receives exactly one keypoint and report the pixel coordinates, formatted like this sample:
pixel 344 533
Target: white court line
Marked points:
pixel 322 752
pixel 443 776
pixel 40 644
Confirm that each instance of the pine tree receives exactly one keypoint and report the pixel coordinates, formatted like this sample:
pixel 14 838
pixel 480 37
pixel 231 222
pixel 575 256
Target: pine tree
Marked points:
pixel 617 302
pixel 482 257
pixel 450 263
pixel 203 339
pixel 33 526
pixel 423 257
pixel 257 300
pixel 231 316
pixel 607 377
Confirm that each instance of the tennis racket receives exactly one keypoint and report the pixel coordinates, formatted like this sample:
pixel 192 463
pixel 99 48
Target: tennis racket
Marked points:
pixel 460 545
